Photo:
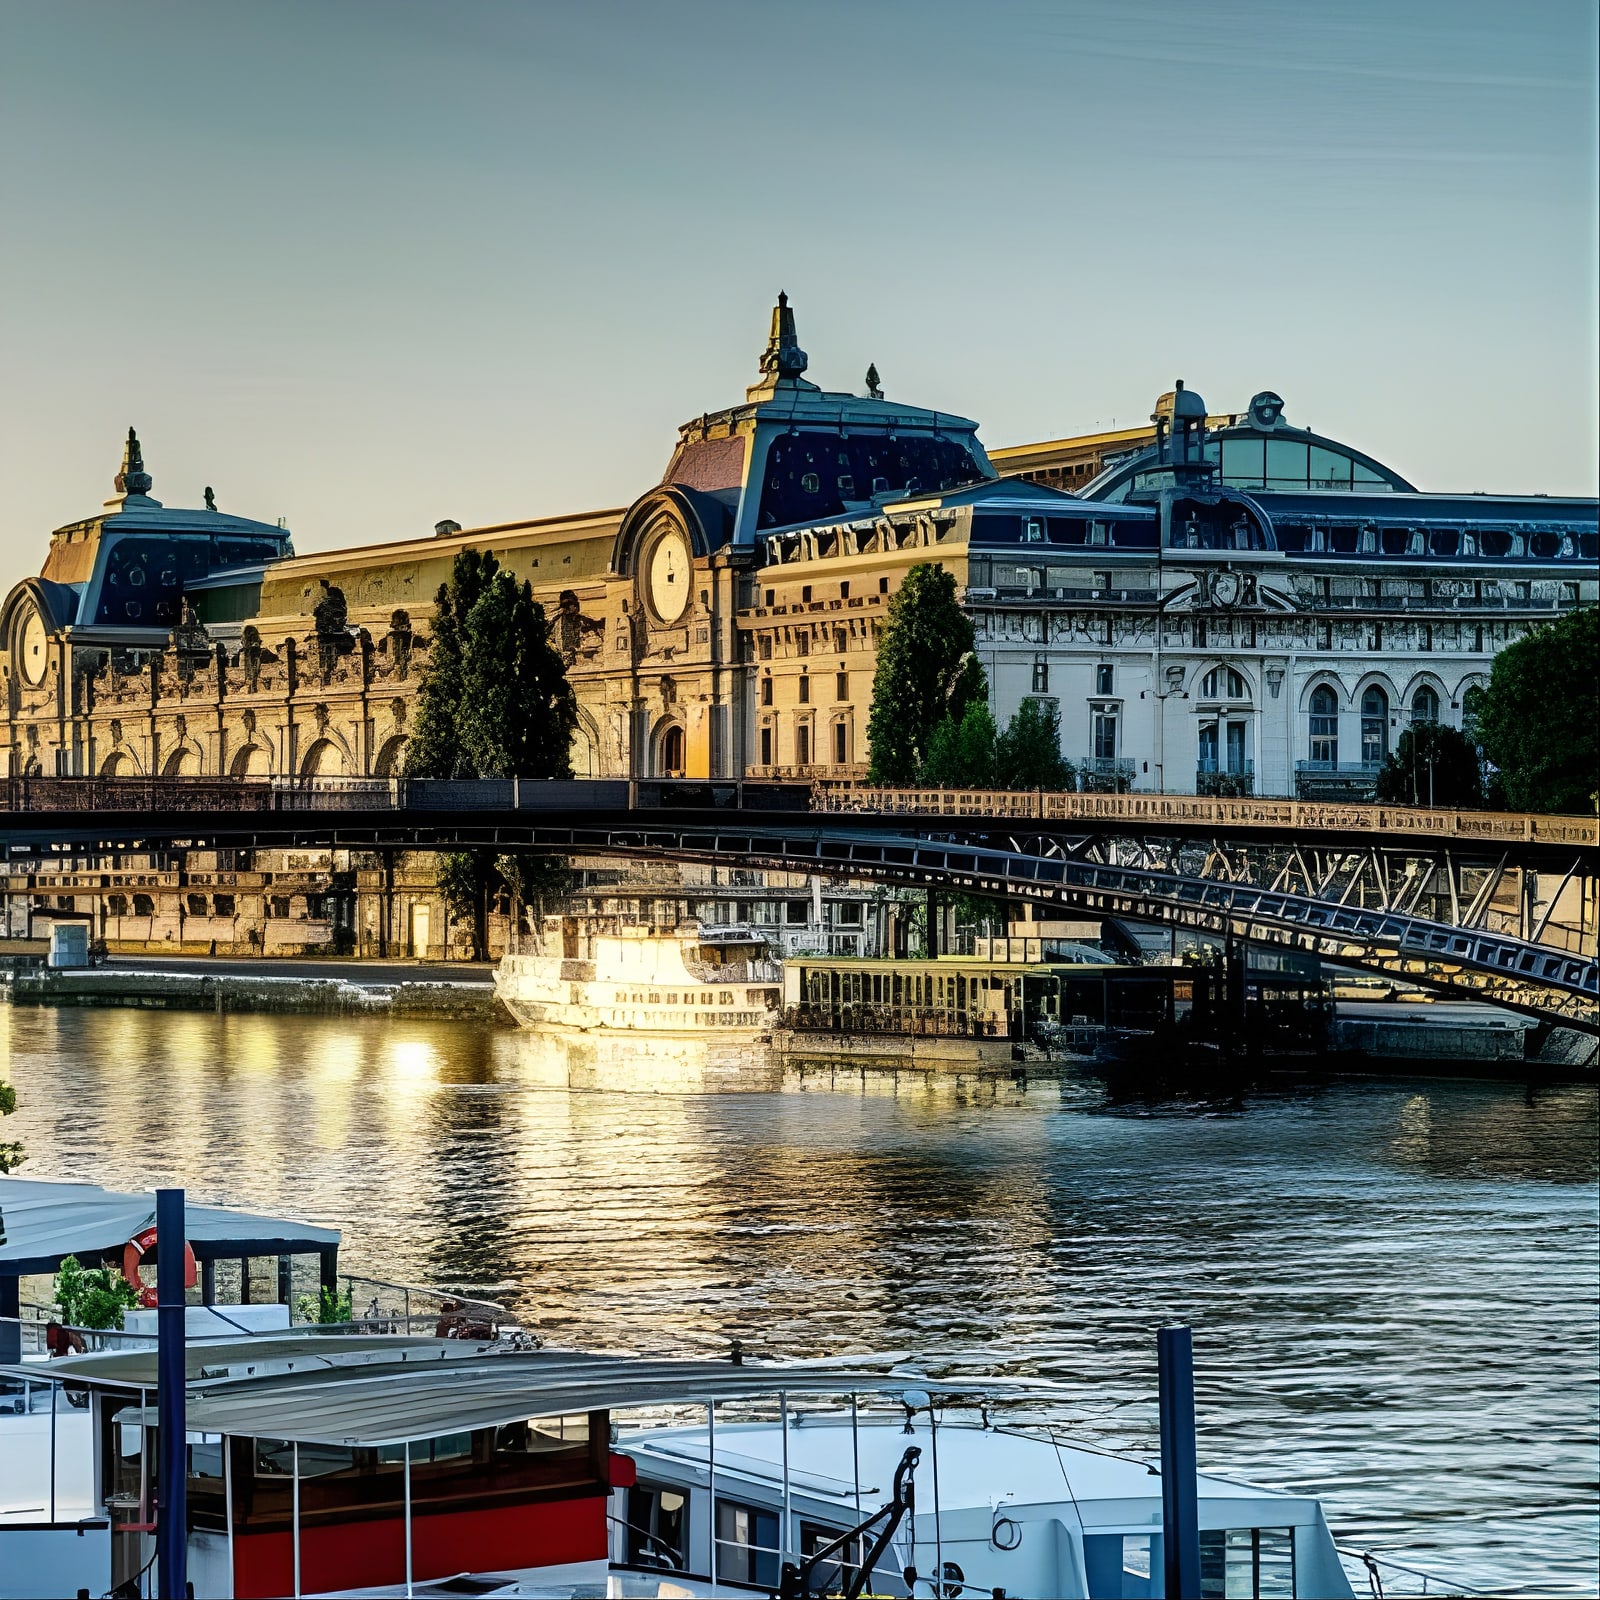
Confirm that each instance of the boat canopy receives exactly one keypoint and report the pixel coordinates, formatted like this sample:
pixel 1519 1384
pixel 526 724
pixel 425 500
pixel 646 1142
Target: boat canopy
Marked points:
pixel 43 1223
pixel 364 1391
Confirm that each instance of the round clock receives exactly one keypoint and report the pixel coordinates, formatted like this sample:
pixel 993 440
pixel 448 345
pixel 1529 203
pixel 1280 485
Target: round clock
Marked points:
pixel 667 574
pixel 34 648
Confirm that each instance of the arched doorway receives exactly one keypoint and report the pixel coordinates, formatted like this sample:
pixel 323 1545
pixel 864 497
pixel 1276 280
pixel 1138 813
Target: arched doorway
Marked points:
pixel 391 757
pixel 116 765
pixel 323 760
pixel 672 747
pixel 182 763
pixel 251 762
pixel 583 753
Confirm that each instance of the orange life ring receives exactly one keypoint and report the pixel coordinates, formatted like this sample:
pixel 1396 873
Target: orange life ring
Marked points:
pixel 133 1253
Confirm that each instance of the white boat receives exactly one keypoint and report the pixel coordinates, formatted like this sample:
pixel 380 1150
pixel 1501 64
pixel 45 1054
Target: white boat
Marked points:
pixel 691 981
pixel 388 1465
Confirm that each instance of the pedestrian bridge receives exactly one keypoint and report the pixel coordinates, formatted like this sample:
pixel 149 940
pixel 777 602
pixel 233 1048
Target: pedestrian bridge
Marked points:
pixel 1500 906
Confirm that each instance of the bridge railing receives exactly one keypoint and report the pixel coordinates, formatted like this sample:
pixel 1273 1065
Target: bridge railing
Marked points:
pixel 202 794
pixel 1190 810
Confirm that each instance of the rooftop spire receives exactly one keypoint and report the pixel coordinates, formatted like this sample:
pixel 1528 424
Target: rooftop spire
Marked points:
pixel 132 483
pixel 783 361
pixel 783 357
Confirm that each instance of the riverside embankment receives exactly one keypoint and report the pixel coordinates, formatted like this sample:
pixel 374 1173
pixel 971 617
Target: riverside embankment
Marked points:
pixel 308 988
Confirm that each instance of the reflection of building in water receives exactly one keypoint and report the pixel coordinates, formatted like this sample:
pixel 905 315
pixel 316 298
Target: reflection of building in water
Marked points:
pixel 1226 603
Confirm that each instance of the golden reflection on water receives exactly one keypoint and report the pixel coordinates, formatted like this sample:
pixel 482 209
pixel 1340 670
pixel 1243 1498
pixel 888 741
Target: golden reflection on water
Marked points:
pixel 1391 1284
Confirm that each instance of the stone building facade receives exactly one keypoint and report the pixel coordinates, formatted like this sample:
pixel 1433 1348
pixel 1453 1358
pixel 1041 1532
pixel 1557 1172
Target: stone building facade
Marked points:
pixel 1220 602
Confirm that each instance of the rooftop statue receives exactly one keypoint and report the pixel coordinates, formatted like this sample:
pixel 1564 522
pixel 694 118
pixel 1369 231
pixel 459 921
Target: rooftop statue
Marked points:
pixel 133 479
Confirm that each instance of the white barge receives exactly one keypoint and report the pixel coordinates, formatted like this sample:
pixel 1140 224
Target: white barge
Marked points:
pixel 690 981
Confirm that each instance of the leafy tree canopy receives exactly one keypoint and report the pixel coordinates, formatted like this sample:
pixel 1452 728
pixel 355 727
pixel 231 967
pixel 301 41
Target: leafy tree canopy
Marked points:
pixel 11 1152
pixel 961 753
pixel 1538 717
pixel 927 671
pixel 1433 765
pixel 494 701
pixel 1029 752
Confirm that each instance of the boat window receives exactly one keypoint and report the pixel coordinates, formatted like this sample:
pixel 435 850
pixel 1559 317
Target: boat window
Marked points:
pixel 747 1544
pixel 657 1527
pixel 840 1570
pixel 448 1447
pixel 1247 1563
pixel 275 1458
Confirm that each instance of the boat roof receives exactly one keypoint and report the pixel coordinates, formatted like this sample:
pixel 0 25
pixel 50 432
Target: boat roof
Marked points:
pixel 42 1223
pixel 360 1390
pixel 979 1466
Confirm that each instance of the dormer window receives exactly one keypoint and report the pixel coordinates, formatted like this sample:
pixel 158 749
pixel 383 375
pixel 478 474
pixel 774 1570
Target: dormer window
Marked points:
pixel 847 486
pixel 810 482
pixel 1033 530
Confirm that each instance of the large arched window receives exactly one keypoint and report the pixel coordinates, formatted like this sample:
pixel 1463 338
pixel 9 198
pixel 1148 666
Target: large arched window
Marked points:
pixel 1374 727
pixel 672 752
pixel 1223 683
pixel 1324 727
pixel 1424 705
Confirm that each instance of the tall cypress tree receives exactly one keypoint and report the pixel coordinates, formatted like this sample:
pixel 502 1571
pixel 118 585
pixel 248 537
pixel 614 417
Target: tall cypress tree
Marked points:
pixel 436 749
pixel 927 670
pixel 494 702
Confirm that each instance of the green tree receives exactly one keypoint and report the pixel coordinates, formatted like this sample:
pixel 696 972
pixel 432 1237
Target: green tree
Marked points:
pixel 927 670
pixel 494 702
pixel 1433 765
pixel 961 753
pixel 1028 754
pixel 435 749
pixel 92 1297
pixel 1537 719
pixel 11 1152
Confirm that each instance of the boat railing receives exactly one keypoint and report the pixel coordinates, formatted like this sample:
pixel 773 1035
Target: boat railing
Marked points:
pixel 1388 1579
pixel 377 1305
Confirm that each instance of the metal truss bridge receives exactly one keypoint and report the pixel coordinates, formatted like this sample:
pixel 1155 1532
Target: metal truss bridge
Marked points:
pixel 1501 907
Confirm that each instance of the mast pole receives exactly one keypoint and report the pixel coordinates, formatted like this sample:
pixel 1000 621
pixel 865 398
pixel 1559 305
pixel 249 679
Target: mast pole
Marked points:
pixel 294 1511
pixel 227 1501
pixel 783 1538
pixel 711 1479
pixel 172 1377
pixel 408 1519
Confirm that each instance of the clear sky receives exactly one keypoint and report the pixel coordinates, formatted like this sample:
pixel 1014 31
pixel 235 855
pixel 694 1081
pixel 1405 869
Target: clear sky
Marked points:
pixel 372 263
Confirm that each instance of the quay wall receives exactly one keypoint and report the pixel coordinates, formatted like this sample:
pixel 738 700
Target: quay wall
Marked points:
pixel 188 991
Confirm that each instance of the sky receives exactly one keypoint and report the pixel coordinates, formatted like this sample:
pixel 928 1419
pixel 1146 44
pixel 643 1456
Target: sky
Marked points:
pixel 372 264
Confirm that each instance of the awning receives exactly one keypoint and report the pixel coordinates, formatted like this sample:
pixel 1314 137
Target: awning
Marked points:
pixel 41 1223
pixel 358 1391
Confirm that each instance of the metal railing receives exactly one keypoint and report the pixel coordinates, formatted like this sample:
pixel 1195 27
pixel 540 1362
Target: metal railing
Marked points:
pixel 733 795
pixel 1144 809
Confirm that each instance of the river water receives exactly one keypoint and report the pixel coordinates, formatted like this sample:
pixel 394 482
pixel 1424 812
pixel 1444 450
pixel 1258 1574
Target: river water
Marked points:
pixel 1392 1285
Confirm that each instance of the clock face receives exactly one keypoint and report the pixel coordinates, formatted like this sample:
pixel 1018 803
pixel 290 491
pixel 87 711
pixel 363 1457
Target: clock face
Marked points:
pixel 35 648
pixel 667 573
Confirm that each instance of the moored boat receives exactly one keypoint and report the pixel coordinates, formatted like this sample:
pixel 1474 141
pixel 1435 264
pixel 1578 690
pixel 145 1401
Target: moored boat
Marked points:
pixel 332 1464
pixel 690 981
